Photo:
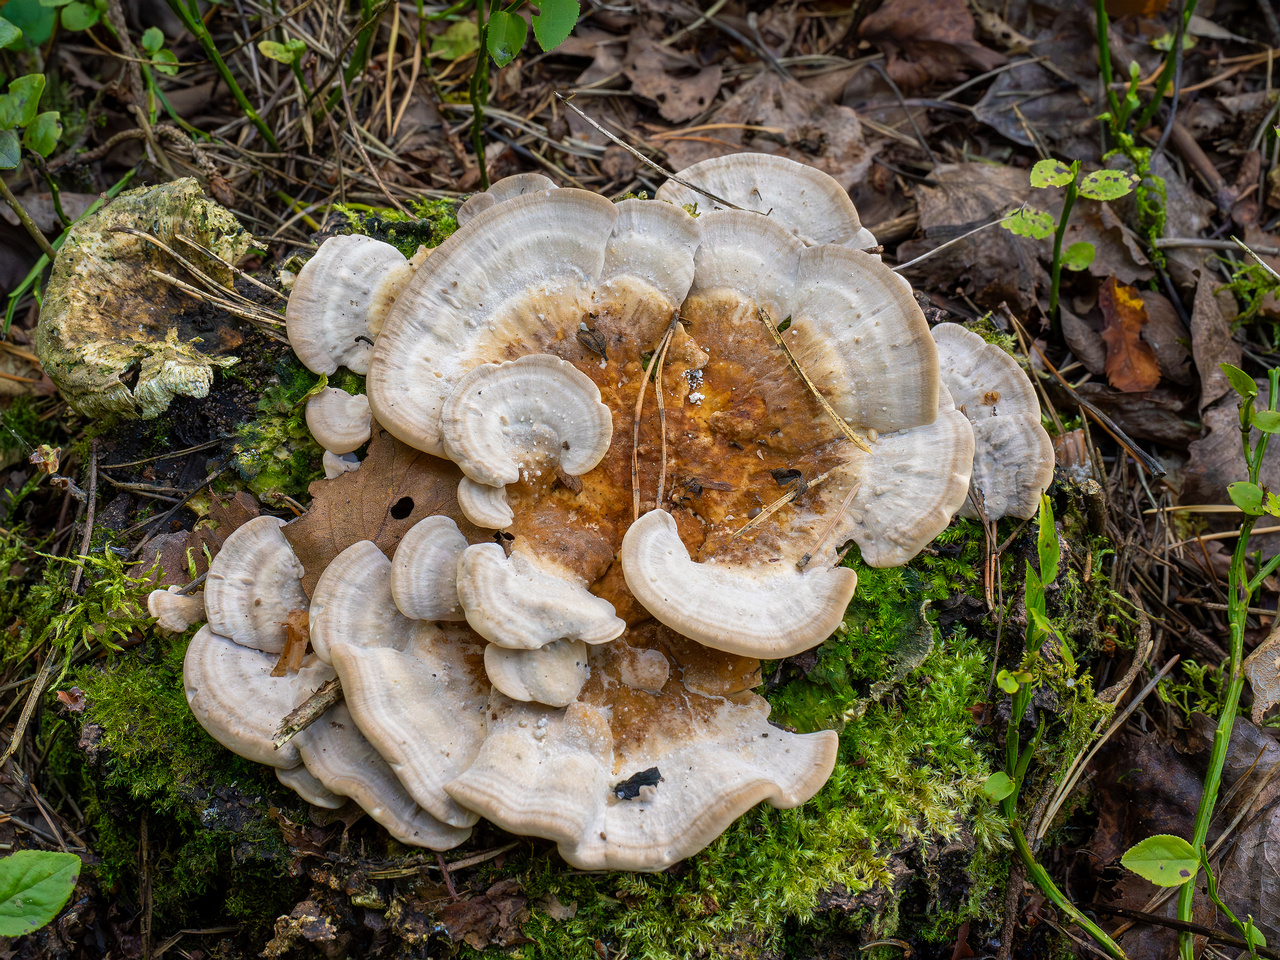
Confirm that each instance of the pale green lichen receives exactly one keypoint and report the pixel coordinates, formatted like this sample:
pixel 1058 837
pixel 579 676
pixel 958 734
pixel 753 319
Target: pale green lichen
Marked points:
pixel 106 319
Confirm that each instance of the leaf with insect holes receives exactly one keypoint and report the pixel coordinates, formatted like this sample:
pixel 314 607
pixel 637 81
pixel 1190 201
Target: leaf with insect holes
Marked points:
pixel 1078 256
pixel 79 16
pixel 10 150
pixel 462 38
pixel 1107 184
pixel 1247 496
pixel 34 884
pixel 555 22
pixel 1027 222
pixel 289 52
pixel 1051 173
pixel 8 33
pixel 506 37
pixel 1165 860
pixel 998 786
pixel 42 135
pixel 152 39
pixel 1268 421
pixel 1240 381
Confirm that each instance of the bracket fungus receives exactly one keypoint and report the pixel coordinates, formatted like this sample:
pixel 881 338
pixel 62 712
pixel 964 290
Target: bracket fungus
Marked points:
pixel 677 423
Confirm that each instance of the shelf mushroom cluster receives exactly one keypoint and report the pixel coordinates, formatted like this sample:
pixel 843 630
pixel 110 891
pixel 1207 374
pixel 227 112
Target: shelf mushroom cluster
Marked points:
pixel 675 413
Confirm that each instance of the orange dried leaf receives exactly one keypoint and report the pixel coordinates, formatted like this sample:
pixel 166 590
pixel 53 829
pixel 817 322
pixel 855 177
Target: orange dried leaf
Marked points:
pixel 1131 363
pixel 297 635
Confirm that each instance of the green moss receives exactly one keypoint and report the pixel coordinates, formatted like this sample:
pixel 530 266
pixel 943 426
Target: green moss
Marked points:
pixel 275 452
pixel 429 223
pixel 20 427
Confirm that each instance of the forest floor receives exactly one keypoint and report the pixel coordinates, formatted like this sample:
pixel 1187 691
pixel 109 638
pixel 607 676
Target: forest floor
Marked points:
pixel 323 117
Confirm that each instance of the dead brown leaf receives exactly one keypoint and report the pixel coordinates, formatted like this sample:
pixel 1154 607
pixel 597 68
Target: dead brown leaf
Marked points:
pixel 677 82
pixel 72 699
pixel 1117 252
pixel 1212 342
pixel 769 114
pixel 1131 363
pixel 297 635
pixel 1262 667
pixel 1168 338
pixel 395 487
pixel 927 41
pixel 493 917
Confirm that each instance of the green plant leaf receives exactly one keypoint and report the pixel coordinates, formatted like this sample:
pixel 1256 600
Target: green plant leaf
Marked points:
pixel 54 3
pixel 165 62
pixel 152 39
pixel 1247 496
pixel 1027 222
pixel 79 16
pixel 1078 256
pixel 555 22
pixel 24 99
pixel 1050 173
pixel 1252 935
pixel 288 52
pixel 8 33
pixel 1240 381
pixel 35 22
pixel 34 884
pixel 1272 506
pixel 1006 682
pixel 1107 184
pixel 1268 421
pixel 10 150
pixel 1047 546
pixel 1165 860
pixel 43 133
pixel 506 36
pixel 462 38
pixel 998 786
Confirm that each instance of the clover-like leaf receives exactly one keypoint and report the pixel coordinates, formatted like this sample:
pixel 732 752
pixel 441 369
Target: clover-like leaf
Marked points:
pixel 165 62
pixel 8 33
pixel 10 150
pixel 1107 184
pixel 1027 222
pixel 42 134
pixel 1051 173
pixel 1240 381
pixel 34 884
pixel 152 39
pixel 1268 421
pixel 1078 256
pixel 79 16
pixel 1247 496
pixel 506 37
pixel 555 22
pixel 1165 860
pixel 462 38
pixel 998 786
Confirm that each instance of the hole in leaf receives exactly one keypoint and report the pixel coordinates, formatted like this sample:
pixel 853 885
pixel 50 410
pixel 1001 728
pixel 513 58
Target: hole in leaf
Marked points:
pixel 402 508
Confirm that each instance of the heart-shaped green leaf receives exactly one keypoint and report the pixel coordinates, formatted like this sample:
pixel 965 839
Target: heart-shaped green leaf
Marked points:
pixel 34 884
pixel 459 40
pixel 152 39
pixel 79 16
pixel 43 133
pixel 1247 496
pixel 554 22
pixel 1006 682
pixel 998 786
pixel 1165 860
pixel 24 98
pixel 165 62
pixel 1027 222
pixel 1078 256
pixel 1051 173
pixel 507 33
pixel 1268 421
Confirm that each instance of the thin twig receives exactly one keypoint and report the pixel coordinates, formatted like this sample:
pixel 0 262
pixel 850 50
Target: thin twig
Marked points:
pixel 635 424
pixel 308 712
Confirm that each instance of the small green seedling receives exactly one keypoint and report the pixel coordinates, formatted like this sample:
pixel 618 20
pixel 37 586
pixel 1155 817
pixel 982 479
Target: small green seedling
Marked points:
pixel 19 109
pixel 1038 225
pixel 34 884
pixel 161 58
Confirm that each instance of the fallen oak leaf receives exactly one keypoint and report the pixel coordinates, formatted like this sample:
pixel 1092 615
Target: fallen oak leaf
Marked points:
pixel 493 917
pixel 1131 364
pixel 395 487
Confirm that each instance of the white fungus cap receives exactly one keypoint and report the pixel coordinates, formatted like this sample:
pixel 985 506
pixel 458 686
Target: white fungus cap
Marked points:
pixel 553 674
pixel 339 421
pixel 524 604
pixel 505 189
pixel 175 612
pixel 1013 455
pixel 336 464
pixel 309 788
pixel 483 505
pixel 808 202
pixel 339 301
pixel 424 572
pixel 254 583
